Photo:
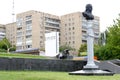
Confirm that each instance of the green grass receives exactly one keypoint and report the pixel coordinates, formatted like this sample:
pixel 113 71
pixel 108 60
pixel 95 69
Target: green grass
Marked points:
pixel 16 55
pixel 45 75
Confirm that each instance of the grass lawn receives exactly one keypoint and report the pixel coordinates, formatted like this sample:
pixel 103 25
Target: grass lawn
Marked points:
pixel 47 75
pixel 16 55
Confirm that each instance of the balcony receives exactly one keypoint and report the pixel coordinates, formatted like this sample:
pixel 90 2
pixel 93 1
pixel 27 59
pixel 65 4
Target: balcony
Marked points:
pixel 27 34
pixel 52 22
pixel 28 42
pixel 1 33
pixel 19 44
pixel 84 38
pixel 1 37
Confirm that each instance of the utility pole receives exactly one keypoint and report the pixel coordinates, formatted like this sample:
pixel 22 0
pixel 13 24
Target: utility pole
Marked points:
pixel 13 13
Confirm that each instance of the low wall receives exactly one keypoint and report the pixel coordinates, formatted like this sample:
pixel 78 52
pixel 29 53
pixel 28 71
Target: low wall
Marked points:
pixel 40 64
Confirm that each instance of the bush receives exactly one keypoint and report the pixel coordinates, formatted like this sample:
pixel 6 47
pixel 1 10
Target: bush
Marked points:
pixel 3 50
pixel 107 53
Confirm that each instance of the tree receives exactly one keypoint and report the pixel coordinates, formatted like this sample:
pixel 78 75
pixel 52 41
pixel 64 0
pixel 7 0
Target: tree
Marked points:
pixel 112 48
pixel 114 34
pixel 83 48
pixel 6 45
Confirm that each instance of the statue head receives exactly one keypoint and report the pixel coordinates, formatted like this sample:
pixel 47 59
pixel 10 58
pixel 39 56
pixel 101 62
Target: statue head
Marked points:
pixel 88 8
pixel 88 12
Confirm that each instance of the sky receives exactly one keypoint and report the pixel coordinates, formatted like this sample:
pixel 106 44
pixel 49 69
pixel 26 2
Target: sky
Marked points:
pixel 107 10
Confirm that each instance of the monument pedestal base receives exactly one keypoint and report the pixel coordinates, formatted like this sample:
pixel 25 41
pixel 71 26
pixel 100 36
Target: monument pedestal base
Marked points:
pixel 91 71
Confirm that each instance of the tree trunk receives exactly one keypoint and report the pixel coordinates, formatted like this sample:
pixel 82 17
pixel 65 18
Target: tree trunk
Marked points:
pixel 8 50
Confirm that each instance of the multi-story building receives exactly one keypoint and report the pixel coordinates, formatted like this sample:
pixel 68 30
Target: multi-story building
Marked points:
pixel 11 32
pixel 31 29
pixel 31 26
pixel 73 30
pixel 2 31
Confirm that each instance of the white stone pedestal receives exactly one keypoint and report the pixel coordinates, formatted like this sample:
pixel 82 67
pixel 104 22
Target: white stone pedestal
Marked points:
pixel 90 45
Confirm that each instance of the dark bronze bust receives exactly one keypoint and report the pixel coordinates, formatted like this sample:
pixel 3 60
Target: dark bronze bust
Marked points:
pixel 88 12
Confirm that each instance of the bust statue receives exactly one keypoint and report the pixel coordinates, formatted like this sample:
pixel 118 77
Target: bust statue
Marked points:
pixel 88 12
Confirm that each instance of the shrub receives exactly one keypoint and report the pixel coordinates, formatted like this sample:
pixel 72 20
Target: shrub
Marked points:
pixel 107 52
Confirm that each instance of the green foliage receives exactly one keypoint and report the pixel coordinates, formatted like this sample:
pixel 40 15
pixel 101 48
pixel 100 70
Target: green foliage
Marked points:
pixel 83 48
pixel 2 50
pixel 13 48
pixel 6 45
pixel 62 48
pixel 114 34
pixel 107 52
pixel 112 48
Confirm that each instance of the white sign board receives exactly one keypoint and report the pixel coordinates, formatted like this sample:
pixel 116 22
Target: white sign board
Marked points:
pixel 52 44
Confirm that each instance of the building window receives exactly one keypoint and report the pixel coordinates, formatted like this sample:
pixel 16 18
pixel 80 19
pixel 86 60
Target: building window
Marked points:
pixel 28 38
pixel 52 22
pixel 84 41
pixel 19 39
pixel 69 42
pixel 41 37
pixel 84 24
pixel 28 17
pixel 29 22
pixel 19 47
pixel 19 22
pixel 29 27
pixel 73 28
pixel 84 31
pixel 28 46
pixel 19 33
pixel 20 28
pixel 29 32
pixel 73 42
pixel 41 42
pixel 69 29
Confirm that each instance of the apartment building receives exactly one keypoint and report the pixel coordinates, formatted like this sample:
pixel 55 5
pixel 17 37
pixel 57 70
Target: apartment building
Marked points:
pixel 73 30
pixel 11 32
pixel 31 28
pixel 2 31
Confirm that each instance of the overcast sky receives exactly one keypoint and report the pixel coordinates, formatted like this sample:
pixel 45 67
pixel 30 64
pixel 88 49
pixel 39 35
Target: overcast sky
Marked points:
pixel 107 10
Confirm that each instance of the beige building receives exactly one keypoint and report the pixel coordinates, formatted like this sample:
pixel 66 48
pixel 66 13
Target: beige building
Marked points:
pixel 31 29
pixel 31 26
pixel 73 30
pixel 2 31
pixel 11 32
